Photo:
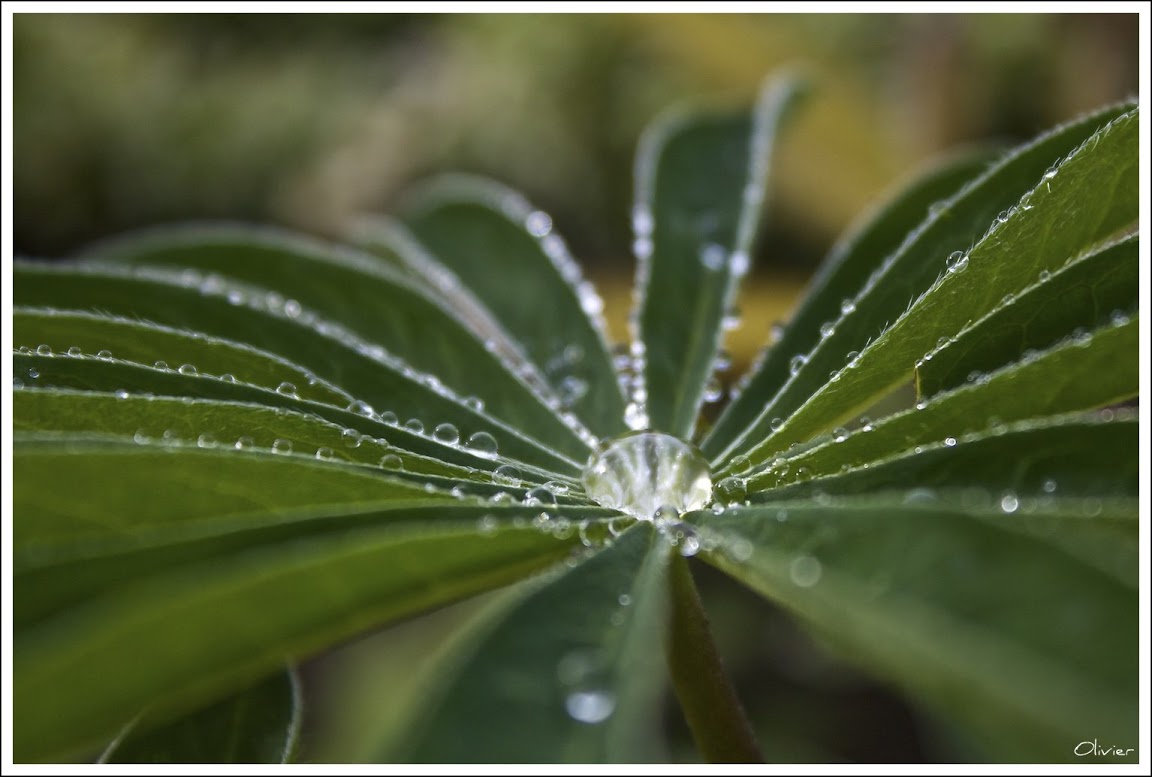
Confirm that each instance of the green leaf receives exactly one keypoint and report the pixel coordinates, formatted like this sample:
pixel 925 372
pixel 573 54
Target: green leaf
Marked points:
pixel 841 275
pixel 75 333
pixel 1083 456
pixel 355 290
pixel 361 368
pixel 257 725
pixel 1081 373
pixel 1031 650
pixel 210 423
pixel 566 670
pixel 201 571
pixel 505 252
pixel 109 375
pixel 902 313
pixel 1102 285
pixel 700 182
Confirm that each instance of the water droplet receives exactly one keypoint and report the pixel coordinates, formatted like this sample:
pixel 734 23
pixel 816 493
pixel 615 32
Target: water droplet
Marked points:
pixel 352 438
pixel 796 363
pixel 507 475
pixel 739 548
pixel 186 369
pixel 391 461
pixel 920 496
pixel 487 525
pixel 776 424
pixel 538 223
pixel 781 515
pixel 414 425
pixel 160 365
pixel 950 442
pixel 840 434
pixel 282 446
pixel 75 352
pixel 390 418
pixel 827 329
pixel 104 354
pixel 287 389
pixel 713 391
pixel 712 256
pixel 244 443
pixel 642 221
pixel 482 444
pixel 590 706
pixel 325 454
pixel 732 491
pixel 540 496
pixel 957 261
pixel 572 390
pixel 847 306
pixel 1049 486
pixel 639 472
pixel 636 416
pixel 1004 216
pixel 805 571
pixel 739 263
pixel 618 525
pixel 447 434
pixel 689 543
pixel 1009 503
pixel 360 407
pixel 122 394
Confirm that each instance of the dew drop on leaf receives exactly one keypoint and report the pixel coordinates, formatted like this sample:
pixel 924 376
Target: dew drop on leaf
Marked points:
pixel 796 363
pixel 1009 503
pixel 391 461
pixel 446 433
pixel 414 425
pixel 805 571
pixel 282 446
pixel 285 388
pixel 482 444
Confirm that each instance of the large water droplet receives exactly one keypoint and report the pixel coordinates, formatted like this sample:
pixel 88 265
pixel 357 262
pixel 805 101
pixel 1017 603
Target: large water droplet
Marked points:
pixel 447 434
pixel 640 472
pixel 482 444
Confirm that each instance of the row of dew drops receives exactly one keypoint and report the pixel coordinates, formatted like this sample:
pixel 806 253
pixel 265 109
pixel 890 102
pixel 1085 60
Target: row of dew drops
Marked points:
pixel 481 443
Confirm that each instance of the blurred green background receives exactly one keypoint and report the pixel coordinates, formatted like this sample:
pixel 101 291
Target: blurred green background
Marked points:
pixel 122 121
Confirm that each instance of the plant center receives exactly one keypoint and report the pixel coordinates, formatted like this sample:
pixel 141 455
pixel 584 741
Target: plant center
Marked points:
pixel 640 472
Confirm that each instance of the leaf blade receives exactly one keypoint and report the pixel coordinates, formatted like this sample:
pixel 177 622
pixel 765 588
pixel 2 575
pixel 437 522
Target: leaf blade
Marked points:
pixel 597 703
pixel 960 613
pixel 507 254
pixel 841 275
pixel 699 186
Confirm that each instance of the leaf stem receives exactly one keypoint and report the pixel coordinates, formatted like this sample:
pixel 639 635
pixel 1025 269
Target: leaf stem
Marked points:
pixel 707 698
